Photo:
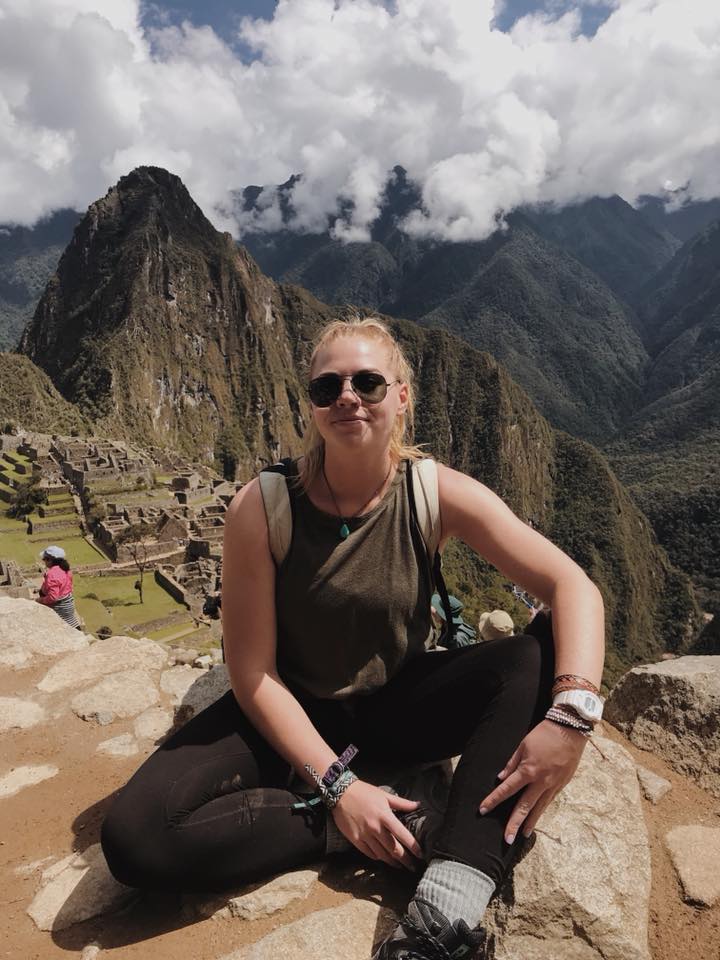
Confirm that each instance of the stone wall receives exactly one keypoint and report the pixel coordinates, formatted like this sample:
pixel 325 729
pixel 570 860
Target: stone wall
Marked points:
pixel 165 580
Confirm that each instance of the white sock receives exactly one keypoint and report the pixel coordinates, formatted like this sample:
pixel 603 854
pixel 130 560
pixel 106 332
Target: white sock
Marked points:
pixel 456 890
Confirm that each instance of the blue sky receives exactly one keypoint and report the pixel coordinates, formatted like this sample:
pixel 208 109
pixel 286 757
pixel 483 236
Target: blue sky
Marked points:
pixel 224 15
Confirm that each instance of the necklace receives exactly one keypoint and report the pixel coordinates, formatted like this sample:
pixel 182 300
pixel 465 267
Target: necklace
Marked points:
pixel 345 529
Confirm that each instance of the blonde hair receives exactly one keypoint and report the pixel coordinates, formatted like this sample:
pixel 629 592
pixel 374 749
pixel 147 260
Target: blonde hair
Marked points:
pixel 401 447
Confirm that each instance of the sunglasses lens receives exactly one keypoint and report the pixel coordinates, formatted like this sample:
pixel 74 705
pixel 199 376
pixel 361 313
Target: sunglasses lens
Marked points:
pixel 370 387
pixel 325 390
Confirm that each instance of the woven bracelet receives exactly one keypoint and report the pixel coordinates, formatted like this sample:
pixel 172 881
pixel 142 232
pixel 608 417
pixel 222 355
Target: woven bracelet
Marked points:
pixel 338 788
pixel 574 683
pixel 330 795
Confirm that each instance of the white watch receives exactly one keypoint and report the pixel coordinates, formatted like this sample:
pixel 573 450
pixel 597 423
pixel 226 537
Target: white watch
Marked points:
pixel 587 704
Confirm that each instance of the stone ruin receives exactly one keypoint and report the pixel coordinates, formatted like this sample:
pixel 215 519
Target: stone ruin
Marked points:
pixel 12 582
pixel 101 461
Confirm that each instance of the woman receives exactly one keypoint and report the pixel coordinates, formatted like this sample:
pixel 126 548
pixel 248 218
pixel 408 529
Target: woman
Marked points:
pixel 327 651
pixel 56 590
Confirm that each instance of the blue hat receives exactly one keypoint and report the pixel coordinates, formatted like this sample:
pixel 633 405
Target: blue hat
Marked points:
pixel 455 607
pixel 57 553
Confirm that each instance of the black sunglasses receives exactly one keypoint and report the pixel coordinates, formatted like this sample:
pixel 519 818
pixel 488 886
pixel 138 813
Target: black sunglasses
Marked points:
pixel 368 386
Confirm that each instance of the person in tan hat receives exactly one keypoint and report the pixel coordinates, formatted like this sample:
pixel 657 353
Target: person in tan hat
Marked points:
pixel 492 626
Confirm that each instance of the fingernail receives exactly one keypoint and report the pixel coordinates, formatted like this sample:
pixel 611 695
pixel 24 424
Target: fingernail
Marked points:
pixel 501 775
pixel 483 811
pixel 510 838
pixel 528 834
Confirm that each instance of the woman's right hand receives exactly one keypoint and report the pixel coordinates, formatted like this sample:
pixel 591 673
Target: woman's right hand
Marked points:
pixel 365 816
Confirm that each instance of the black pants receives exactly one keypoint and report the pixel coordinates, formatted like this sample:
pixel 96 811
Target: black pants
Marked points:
pixel 210 808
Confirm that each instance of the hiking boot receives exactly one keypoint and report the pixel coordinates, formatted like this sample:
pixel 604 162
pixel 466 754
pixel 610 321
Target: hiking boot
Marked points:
pixel 425 934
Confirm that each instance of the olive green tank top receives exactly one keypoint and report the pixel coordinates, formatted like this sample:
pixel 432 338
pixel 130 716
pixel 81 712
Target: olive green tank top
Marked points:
pixel 351 612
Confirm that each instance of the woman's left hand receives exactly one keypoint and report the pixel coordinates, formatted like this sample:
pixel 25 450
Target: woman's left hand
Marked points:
pixel 543 764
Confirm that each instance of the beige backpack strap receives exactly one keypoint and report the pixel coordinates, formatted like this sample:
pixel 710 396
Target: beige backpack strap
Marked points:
pixel 278 514
pixel 427 503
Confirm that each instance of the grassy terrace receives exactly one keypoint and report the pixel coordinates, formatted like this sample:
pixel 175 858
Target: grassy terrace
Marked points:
pixel 114 603
pixel 17 545
pixel 9 470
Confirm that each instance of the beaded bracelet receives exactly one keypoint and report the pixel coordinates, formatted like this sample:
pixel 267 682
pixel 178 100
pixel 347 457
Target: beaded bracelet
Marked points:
pixel 566 719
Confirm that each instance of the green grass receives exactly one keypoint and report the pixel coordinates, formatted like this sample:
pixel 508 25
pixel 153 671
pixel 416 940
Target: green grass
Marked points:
pixel 127 614
pixel 39 522
pixel 10 525
pixel 10 472
pixel 178 631
pixel 61 533
pixel 127 497
pixel 20 458
pixel 17 546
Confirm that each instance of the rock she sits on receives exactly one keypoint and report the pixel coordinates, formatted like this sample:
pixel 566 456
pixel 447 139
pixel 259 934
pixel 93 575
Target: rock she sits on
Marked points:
pixel 582 892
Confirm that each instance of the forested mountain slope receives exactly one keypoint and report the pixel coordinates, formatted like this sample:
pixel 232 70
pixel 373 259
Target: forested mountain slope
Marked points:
pixel 669 453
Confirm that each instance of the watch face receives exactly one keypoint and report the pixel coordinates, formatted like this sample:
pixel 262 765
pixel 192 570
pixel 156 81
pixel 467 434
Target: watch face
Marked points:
pixel 591 707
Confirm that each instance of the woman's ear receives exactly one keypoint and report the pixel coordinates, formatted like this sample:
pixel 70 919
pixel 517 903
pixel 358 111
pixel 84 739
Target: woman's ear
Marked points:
pixel 402 398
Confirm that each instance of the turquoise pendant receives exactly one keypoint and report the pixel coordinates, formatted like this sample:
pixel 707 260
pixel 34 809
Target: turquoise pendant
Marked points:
pixel 344 531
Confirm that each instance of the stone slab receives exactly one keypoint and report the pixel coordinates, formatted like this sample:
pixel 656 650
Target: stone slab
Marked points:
pixel 654 788
pixel 123 746
pixel 107 656
pixel 29 630
pixel 258 901
pixel 695 853
pixel 18 714
pixel 153 724
pixel 21 777
pixel 121 695
pixel 84 888
pixel 350 931
pixel 192 690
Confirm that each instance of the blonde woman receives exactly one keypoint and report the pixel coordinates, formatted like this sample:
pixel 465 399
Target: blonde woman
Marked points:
pixel 326 656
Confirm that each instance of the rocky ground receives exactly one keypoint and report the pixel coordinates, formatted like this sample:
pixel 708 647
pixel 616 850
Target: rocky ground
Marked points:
pixel 626 865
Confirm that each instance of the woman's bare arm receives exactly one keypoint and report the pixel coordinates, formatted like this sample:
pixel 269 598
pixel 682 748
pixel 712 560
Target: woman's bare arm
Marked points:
pixel 249 636
pixel 474 514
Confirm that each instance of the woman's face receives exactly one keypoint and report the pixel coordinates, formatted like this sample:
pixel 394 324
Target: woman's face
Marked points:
pixel 350 421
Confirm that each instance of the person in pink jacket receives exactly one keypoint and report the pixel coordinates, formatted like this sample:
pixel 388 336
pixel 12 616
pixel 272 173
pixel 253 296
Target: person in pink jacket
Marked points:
pixel 56 590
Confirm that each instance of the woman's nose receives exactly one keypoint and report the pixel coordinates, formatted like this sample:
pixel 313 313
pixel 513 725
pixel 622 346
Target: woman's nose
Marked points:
pixel 347 394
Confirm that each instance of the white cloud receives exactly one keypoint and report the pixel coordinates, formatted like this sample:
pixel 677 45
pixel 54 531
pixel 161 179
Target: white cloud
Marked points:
pixel 342 90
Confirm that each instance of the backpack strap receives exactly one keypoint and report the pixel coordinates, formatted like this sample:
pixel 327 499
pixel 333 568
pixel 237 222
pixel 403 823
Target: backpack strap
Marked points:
pixel 427 502
pixel 425 509
pixel 278 508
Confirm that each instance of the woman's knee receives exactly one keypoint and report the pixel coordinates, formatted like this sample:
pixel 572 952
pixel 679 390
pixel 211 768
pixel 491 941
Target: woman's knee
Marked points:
pixel 130 844
pixel 530 659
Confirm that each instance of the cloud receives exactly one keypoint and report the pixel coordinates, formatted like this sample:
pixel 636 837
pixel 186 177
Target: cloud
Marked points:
pixel 343 90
